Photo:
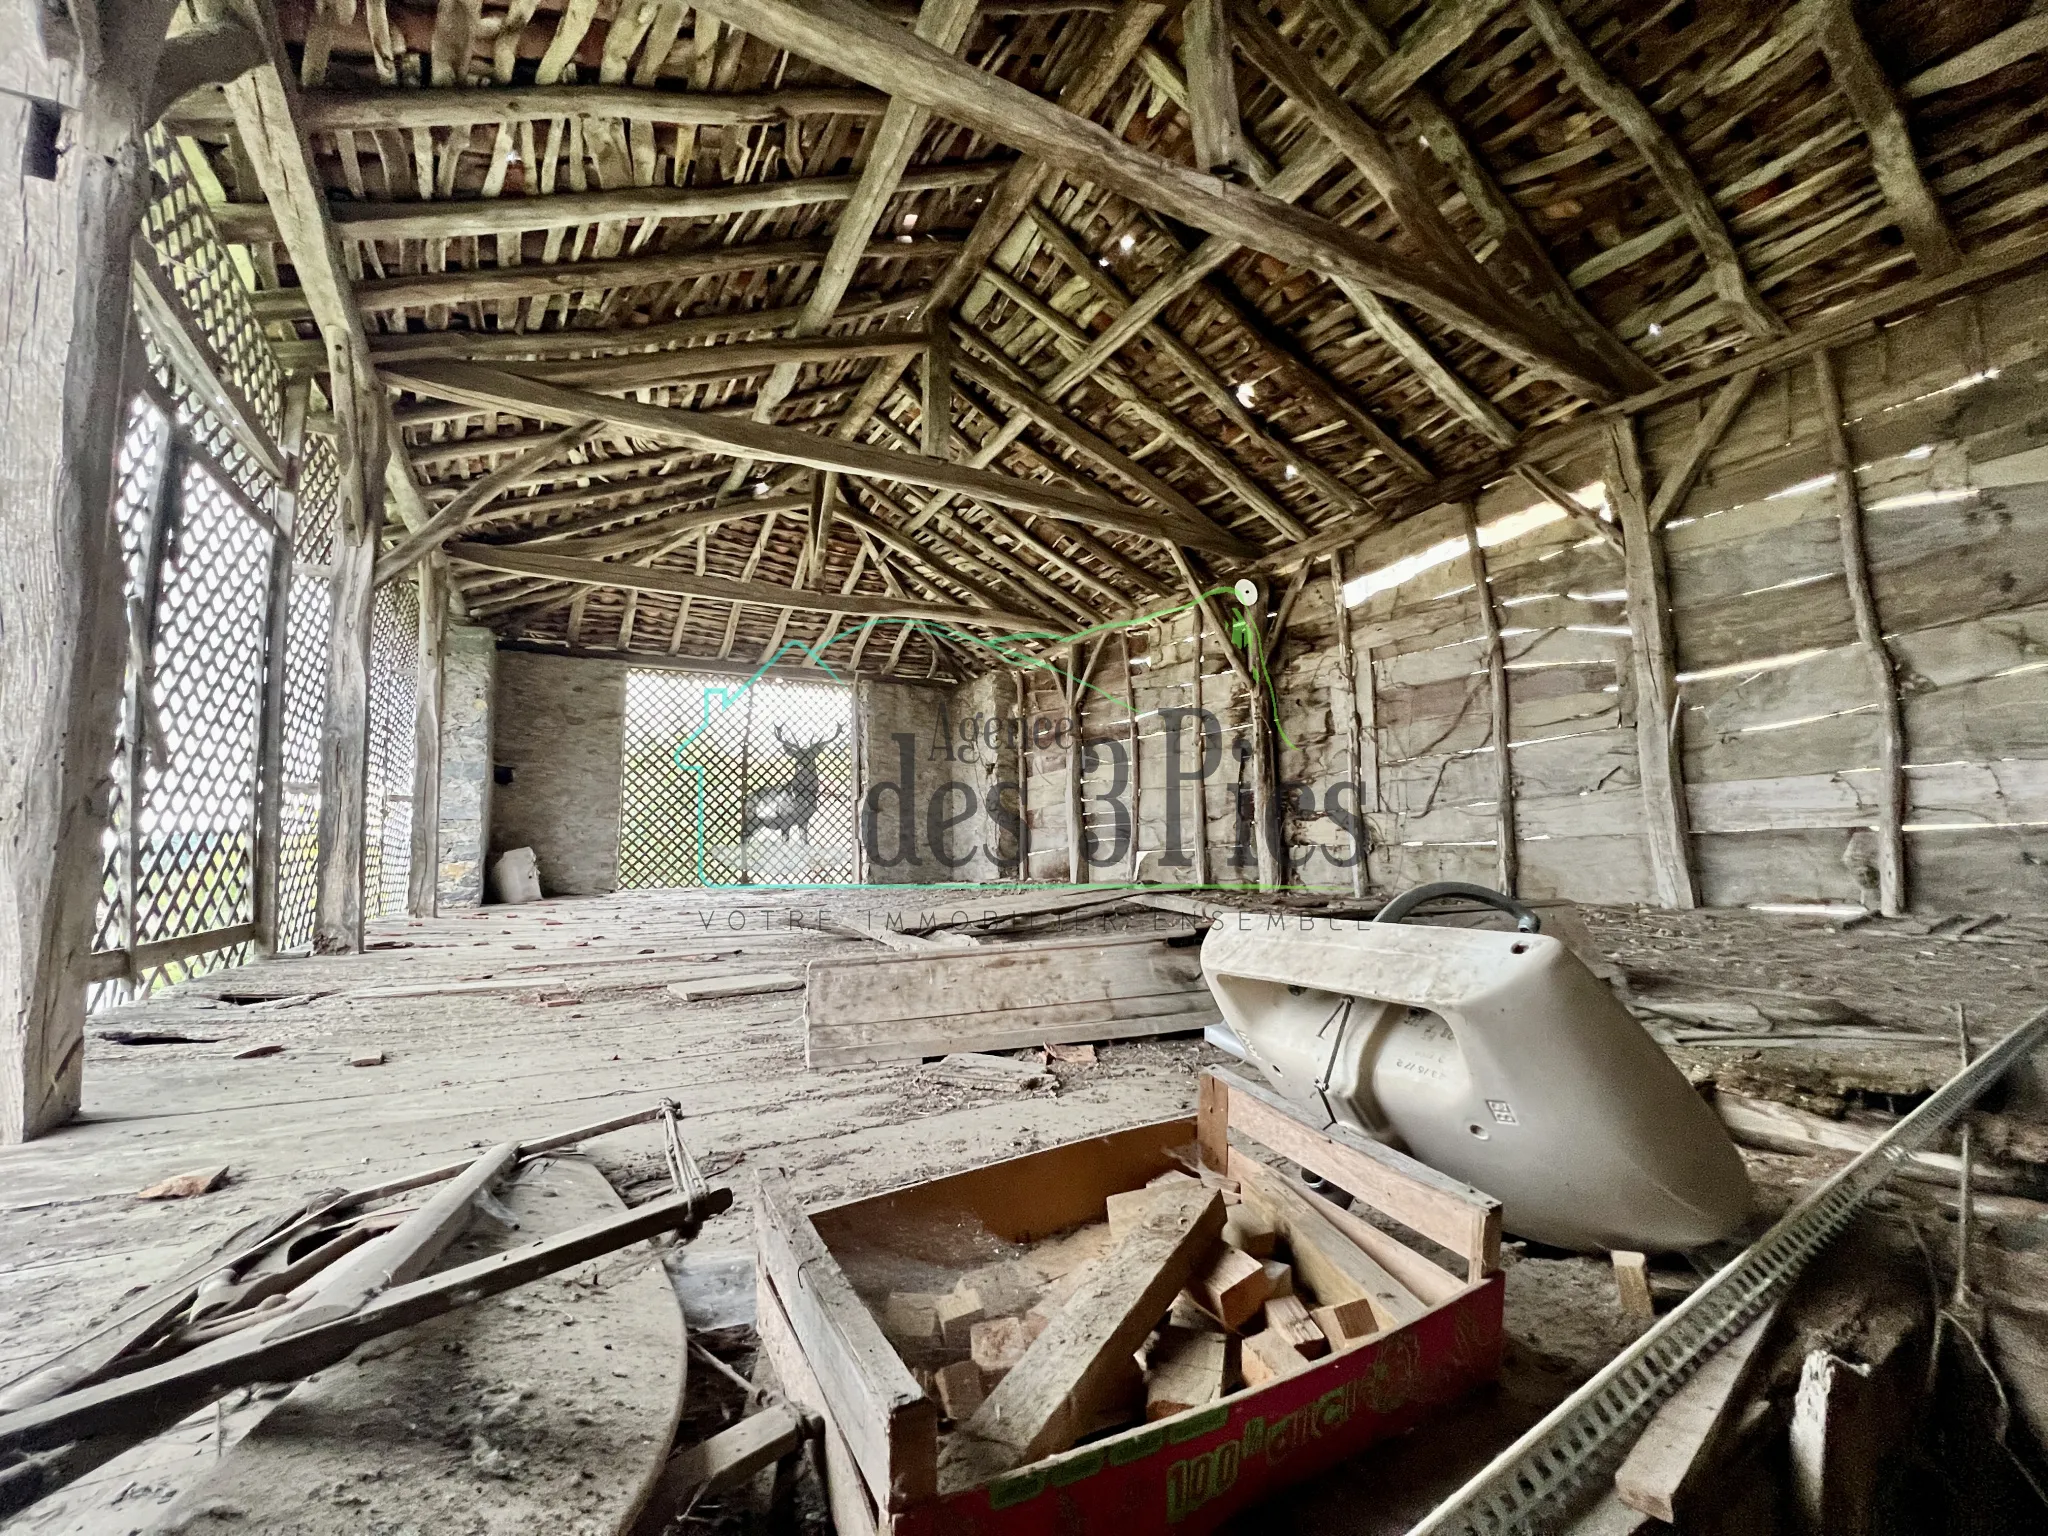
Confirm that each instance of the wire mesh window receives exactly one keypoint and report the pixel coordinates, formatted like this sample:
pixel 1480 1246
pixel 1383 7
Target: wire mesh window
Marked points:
pixel 730 783
pixel 394 673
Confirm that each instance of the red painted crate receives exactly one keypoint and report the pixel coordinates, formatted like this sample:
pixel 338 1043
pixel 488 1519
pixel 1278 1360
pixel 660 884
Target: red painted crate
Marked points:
pixel 1183 1474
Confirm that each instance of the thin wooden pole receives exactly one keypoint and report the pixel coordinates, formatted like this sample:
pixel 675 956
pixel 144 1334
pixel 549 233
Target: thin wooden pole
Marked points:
pixel 1667 824
pixel 137 716
pixel 1346 702
pixel 1891 786
pixel 1132 782
pixel 1507 864
pixel 422 881
pixel 270 767
pixel 1023 777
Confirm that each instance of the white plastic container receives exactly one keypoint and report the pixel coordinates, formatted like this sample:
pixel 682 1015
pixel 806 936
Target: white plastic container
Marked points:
pixel 1496 1057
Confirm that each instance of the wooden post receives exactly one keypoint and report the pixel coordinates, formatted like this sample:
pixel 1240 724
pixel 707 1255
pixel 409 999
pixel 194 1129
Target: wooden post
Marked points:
pixel 345 745
pixel 64 323
pixel 270 766
pixel 1075 692
pixel 1132 783
pixel 423 872
pixel 1507 865
pixel 1347 714
pixel 1023 778
pixel 1666 823
pixel 937 394
pixel 1891 784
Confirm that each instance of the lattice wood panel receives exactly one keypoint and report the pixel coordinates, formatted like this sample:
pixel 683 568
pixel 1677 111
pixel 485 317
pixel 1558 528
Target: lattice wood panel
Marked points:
pixel 394 671
pixel 725 783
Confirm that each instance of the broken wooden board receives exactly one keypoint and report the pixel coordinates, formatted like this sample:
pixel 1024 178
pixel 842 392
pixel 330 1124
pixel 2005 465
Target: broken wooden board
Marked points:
pixel 1048 1400
pixel 1002 997
pixel 1678 1446
pixel 747 985
pixel 495 1415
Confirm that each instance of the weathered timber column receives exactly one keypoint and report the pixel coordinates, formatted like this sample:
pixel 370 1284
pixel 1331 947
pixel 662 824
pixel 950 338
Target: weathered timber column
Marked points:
pixel 1667 825
pixel 1354 734
pixel 64 325
pixel 1508 863
pixel 345 745
pixel 270 765
pixel 1891 767
pixel 422 883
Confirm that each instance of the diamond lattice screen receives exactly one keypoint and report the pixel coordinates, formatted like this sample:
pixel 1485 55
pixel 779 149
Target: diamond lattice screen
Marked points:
pixel 394 670
pixel 195 826
pixel 730 784
pixel 308 620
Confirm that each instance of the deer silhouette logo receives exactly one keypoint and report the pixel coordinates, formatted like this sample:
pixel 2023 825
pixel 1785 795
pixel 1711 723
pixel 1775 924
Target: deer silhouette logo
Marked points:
pixel 781 807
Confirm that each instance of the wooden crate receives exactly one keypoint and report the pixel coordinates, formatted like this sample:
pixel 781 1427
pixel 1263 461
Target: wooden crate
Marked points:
pixel 1186 1473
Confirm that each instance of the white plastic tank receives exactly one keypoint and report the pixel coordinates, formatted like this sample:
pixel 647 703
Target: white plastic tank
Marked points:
pixel 1495 1057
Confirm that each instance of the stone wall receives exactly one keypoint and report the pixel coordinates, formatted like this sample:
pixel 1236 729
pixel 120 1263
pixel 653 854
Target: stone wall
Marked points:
pixel 556 734
pixel 468 674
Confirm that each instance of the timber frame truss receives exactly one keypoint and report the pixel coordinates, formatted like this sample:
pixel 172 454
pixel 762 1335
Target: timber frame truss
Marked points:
pixel 730 331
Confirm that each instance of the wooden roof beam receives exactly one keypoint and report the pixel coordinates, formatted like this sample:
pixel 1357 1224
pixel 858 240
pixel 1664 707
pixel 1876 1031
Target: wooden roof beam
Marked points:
pixel 1132 23
pixel 1876 106
pixel 263 106
pixel 695 365
pixel 342 111
pixel 1222 395
pixel 856 40
pixel 1667 162
pixel 454 517
pixel 1412 207
pixel 499 284
pixel 495 389
pixel 627 577
pixel 244 223
pixel 1517 245
pixel 941 24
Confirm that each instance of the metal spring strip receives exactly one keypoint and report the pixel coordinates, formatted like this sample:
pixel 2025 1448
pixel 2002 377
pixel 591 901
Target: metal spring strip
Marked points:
pixel 1530 1482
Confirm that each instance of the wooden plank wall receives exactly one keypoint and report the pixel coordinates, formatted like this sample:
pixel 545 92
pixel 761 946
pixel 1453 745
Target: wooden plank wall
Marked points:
pixel 1778 733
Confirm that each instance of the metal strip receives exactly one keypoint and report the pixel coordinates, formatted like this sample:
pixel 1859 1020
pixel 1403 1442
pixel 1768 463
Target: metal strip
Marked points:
pixel 1528 1485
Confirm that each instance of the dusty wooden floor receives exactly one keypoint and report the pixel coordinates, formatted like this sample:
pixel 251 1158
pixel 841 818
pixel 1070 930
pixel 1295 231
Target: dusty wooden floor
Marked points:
pixel 529 1020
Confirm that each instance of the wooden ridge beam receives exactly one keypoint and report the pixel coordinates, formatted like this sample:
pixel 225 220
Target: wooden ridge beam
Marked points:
pixel 856 40
pixel 245 223
pixel 494 389
pixel 497 284
pixel 1590 78
pixel 365 110
pixel 1869 92
pixel 661 579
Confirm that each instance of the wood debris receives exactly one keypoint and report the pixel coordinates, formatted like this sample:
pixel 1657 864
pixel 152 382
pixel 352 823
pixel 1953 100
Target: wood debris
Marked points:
pixel 993 1074
pixel 183 1186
